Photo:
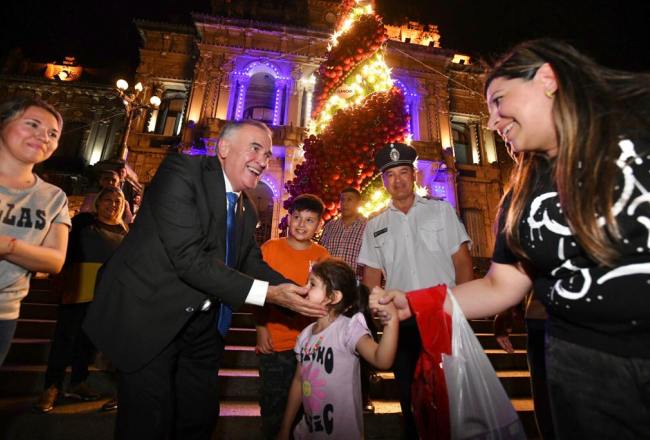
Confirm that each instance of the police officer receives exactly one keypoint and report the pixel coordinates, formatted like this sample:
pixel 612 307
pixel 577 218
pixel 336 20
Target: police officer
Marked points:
pixel 416 243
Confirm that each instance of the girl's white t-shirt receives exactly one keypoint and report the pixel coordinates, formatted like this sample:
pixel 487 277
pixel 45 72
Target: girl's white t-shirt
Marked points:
pixel 331 385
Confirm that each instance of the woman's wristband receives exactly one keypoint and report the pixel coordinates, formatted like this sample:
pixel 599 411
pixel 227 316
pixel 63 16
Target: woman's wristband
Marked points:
pixel 11 245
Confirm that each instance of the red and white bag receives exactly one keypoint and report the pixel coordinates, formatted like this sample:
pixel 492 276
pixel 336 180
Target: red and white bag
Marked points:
pixel 479 407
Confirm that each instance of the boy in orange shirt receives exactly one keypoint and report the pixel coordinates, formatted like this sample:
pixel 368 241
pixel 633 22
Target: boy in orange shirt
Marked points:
pixel 278 329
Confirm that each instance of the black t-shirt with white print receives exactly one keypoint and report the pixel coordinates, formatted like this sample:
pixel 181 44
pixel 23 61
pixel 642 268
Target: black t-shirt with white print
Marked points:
pixel 603 308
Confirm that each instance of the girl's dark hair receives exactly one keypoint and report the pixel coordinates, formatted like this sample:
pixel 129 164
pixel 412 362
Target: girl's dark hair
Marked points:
pixel 336 274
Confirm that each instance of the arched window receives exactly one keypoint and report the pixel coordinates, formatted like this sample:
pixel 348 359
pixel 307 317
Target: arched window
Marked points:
pixel 259 91
pixel 462 142
pixel 262 197
pixel 260 98
pixel 170 113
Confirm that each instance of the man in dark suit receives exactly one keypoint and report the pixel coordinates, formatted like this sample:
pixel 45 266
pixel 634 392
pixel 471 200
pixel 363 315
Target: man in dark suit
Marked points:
pixel 158 298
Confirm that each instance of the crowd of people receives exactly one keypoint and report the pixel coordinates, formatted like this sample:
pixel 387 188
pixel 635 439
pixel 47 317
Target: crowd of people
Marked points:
pixel 572 236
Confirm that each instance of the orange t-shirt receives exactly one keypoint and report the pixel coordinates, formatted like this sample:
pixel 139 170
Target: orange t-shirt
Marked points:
pixel 285 325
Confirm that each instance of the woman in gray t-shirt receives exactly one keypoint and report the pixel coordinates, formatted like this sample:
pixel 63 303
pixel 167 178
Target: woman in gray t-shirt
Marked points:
pixel 34 219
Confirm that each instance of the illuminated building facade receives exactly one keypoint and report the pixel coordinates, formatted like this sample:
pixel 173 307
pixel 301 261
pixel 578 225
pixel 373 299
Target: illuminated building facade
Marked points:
pixel 228 66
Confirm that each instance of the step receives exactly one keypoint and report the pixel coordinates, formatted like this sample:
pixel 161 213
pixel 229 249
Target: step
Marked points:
pixel 39 311
pixel 239 420
pixel 241 336
pixel 487 326
pixel 243 319
pixel 34 351
pixel 488 341
pixel 17 380
pixel 28 351
pixel 42 296
pixel 515 382
pixel 505 361
pixel 240 383
pixel 36 328
pixel 44 283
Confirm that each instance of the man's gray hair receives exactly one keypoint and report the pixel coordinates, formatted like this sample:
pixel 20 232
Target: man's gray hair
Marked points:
pixel 232 127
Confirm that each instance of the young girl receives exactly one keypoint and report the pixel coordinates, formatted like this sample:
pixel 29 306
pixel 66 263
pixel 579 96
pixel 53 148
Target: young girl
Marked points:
pixel 327 377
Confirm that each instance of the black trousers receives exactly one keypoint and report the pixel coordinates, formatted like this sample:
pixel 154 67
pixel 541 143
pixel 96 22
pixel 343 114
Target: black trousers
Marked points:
pixel 406 358
pixel 597 395
pixel 537 365
pixel 70 346
pixel 175 396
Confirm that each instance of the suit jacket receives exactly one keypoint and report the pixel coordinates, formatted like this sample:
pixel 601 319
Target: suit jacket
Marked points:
pixel 171 261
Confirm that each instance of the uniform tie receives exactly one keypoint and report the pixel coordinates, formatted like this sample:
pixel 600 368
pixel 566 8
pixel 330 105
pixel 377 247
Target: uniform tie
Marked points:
pixel 225 312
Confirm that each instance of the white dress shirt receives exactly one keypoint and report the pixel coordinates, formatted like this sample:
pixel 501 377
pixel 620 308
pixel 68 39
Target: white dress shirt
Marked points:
pixel 414 250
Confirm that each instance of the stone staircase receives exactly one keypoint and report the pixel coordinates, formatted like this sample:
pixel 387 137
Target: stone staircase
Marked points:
pixel 21 381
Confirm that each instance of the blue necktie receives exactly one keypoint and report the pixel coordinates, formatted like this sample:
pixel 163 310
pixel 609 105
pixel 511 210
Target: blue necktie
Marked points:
pixel 225 312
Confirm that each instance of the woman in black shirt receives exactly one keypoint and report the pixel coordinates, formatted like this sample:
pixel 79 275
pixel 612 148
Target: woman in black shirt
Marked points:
pixel 575 227
pixel 93 240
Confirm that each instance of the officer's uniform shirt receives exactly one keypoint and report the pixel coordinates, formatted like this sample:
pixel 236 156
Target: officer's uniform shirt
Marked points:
pixel 414 250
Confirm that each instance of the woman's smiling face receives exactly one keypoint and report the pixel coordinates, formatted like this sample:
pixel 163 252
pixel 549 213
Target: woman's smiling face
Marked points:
pixel 521 112
pixel 32 137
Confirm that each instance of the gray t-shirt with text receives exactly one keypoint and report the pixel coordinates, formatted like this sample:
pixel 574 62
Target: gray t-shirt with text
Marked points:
pixel 26 215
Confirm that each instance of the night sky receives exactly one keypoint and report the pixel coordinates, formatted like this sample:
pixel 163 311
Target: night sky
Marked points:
pixel 101 33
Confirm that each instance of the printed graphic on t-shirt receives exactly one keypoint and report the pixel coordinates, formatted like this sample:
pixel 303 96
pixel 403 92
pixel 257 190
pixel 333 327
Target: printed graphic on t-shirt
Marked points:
pixel 22 217
pixel 318 413
pixel 546 223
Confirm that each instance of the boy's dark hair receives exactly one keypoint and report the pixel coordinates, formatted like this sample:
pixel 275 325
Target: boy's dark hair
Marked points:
pixel 351 189
pixel 307 202
pixel 336 274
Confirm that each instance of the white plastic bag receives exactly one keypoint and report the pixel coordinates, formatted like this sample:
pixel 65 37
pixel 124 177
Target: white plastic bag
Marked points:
pixel 479 407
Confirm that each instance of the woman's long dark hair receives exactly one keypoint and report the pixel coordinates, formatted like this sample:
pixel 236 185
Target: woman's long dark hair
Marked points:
pixel 594 107
pixel 336 274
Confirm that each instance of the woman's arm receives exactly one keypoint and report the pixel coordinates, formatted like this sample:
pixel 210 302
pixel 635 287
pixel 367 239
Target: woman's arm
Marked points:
pixel 381 355
pixel 502 287
pixel 47 257
pixel 294 401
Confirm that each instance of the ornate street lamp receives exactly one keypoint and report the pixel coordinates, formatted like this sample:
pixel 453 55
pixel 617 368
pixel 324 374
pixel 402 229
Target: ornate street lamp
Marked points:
pixel 134 103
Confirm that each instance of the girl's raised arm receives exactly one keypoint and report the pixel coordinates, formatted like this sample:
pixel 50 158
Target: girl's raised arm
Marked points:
pixel 381 355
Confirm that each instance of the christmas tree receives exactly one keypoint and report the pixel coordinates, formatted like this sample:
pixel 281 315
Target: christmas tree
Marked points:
pixel 356 110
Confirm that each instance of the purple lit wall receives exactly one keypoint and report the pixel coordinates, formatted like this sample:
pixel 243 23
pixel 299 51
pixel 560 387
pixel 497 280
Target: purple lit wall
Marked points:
pixel 245 68
pixel 434 176
pixel 412 104
pixel 272 184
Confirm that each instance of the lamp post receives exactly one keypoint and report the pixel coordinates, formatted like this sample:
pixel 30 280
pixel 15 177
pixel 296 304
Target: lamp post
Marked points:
pixel 134 103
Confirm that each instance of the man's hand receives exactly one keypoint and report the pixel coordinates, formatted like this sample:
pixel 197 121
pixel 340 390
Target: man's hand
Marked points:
pixel 380 297
pixel 264 341
pixel 289 296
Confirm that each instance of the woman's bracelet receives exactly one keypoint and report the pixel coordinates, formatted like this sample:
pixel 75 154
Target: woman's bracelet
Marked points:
pixel 11 245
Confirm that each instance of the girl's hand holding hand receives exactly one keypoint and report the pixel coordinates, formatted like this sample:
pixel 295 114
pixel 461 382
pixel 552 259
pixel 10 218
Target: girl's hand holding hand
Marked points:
pixel 380 298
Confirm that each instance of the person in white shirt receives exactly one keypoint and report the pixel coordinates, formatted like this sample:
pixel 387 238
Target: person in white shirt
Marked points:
pixel 414 243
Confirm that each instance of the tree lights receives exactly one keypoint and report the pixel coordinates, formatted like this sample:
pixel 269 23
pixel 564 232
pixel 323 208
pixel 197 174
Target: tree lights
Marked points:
pixel 356 110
